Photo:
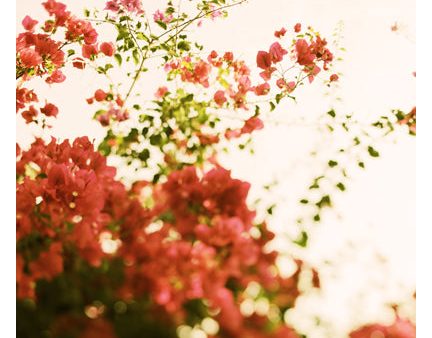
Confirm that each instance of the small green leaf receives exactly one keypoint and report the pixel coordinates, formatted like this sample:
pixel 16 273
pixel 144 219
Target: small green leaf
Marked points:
pixel 162 24
pixel 184 45
pixel 270 209
pixel 332 113
pixel 332 163
pixel 118 58
pixel 372 152
pixel 302 240
pixel 341 186
pixel 135 56
pixel 325 201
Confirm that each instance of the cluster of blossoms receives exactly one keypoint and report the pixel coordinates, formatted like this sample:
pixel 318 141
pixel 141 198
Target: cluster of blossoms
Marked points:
pixel 39 54
pixel 119 6
pixel 400 328
pixel 195 240
pixel 115 110
pixel 308 55
pixel 199 242
pixel 233 78
pixel 62 193
pixel 158 16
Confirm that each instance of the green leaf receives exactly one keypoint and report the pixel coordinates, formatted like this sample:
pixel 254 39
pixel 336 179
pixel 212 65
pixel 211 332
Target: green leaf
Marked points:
pixel 144 155
pixel 332 163
pixel 325 201
pixel 372 152
pixel 184 45
pixel 361 164
pixel 162 24
pixel 272 106
pixel 118 58
pixel 302 240
pixel 270 209
pixel 341 186
pixel 135 55
pixel 332 113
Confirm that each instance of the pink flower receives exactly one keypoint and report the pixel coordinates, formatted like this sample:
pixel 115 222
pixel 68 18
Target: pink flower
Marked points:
pixel 89 50
pixel 254 123
pixel 277 52
pixel 100 95
pixel 49 110
pixel 262 89
pixel 263 59
pixel 159 16
pixel 160 93
pixel 28 23
pixel 30 58
pixel 56 77
pixel 107 48
pixel 334 77
pixel 78 63
pixel 304 55
pixel 219 97
pixel 280 33
pixel 297 27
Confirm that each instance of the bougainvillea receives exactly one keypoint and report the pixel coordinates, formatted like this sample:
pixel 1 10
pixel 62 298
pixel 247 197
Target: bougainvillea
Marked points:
pixel 183 250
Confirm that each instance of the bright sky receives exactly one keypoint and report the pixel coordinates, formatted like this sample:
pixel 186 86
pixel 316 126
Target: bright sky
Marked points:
pixel 370 236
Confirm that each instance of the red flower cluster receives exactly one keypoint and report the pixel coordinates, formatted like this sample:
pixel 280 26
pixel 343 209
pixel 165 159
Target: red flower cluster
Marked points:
pixel 37 54
pixel 309 54
pixel 265 60
pixel 115 109
pixel 63 192
pixel 132 6
pixel 198 241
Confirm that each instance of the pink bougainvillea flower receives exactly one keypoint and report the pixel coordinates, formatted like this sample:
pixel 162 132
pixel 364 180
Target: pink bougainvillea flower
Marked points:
pixel 266 74
pixel 89 50
pixel 30 58
pixel 49 110
pixel 334 77
pixel 28 23
pixel 277 52
pixel 112 6
pixel 78 63
pixel 107 48
pixel 262 89
pixel 304 55
pixel 219 97
pixel 297 27
pixel 263 60
pixel 228 56
pixel 29 114
pixel 160 93
pixel 100 95
pixel 254 123
pixel 56 77
pixel 280 33
pixel 133 6
pixel 159 16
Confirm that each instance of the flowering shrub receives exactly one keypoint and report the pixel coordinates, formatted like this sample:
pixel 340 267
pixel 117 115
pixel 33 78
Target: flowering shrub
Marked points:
pixel 183 250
